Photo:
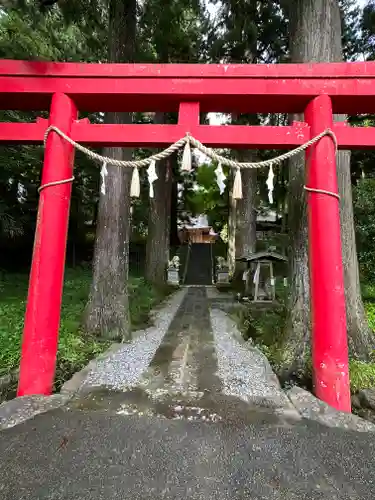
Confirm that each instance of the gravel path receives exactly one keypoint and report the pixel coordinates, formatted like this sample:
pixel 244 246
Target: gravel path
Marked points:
pixel 190 363
pixel 124 368
pixel 244 371
pixel 190 352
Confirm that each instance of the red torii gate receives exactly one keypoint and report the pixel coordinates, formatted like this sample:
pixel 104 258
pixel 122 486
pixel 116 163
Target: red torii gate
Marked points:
pixel 317 90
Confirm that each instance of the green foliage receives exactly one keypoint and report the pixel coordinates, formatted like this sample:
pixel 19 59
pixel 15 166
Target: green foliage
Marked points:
pixel 362 375
pixel 173 30
pixel 368 293
pixel 248 32
pixel 368 30
pixel 26 33
pixel 265 328
pixel 204 197
pixel 351 21
pixel 364 211
pixel 224 233
pixel 370 312
pixel 75 349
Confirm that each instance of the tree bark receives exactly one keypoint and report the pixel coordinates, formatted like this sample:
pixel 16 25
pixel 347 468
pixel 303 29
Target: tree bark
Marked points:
pixel 296 346
pixel 245 217
pixel 232 222
pixel 157 249
pixel 245 228
pixel 174 239
pixel 107 310
pixel 316 37
pixel 246 213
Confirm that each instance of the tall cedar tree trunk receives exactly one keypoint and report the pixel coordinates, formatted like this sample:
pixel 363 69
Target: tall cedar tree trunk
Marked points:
pixel 174 239
pixel 157 249
pixel 107 311
pixel 232 223
pixel 245 227
pixel 245 217
pixel 246 213
pixel 316 37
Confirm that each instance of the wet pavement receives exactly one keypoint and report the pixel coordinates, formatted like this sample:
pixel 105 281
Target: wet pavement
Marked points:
pixel 185 362
pixel 103 455
pixel 201 416
pixel 182 380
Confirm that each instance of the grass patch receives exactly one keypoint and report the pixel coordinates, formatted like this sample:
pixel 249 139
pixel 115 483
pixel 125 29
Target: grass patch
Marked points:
pixel 362 375
pixel 368 292
pixel 264 327
pixel 75 350
pixel 370 313
pixel 266 330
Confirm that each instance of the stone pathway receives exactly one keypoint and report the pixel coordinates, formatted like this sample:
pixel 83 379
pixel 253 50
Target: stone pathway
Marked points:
pixel 189 365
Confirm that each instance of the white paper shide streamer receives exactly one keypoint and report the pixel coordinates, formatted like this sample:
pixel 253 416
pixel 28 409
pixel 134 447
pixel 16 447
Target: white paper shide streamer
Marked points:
pixel 186 158
pixel 152 176
pixel 135 186
pixel 220 178
pixel 237 185
pixel 103 174
pixel 270 184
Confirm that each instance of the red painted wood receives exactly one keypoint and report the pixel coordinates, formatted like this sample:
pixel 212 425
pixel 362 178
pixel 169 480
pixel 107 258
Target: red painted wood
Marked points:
pixel 354 137
pixel 351 95
pixel 161 135
pixel 211 136
pixel 225 71
pixel 40 335
pixel 329 333
pixel 188 115
pixel 22 133
pixel 230 136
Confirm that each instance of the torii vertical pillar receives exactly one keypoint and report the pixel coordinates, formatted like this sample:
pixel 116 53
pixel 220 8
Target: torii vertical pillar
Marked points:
pixel 329 332
pixel 42 320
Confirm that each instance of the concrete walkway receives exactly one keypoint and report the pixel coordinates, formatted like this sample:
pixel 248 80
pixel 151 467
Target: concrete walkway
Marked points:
pixel 184 411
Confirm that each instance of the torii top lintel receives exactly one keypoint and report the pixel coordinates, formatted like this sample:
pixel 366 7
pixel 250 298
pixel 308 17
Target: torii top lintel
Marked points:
pixel 250 88
pixel 189 89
